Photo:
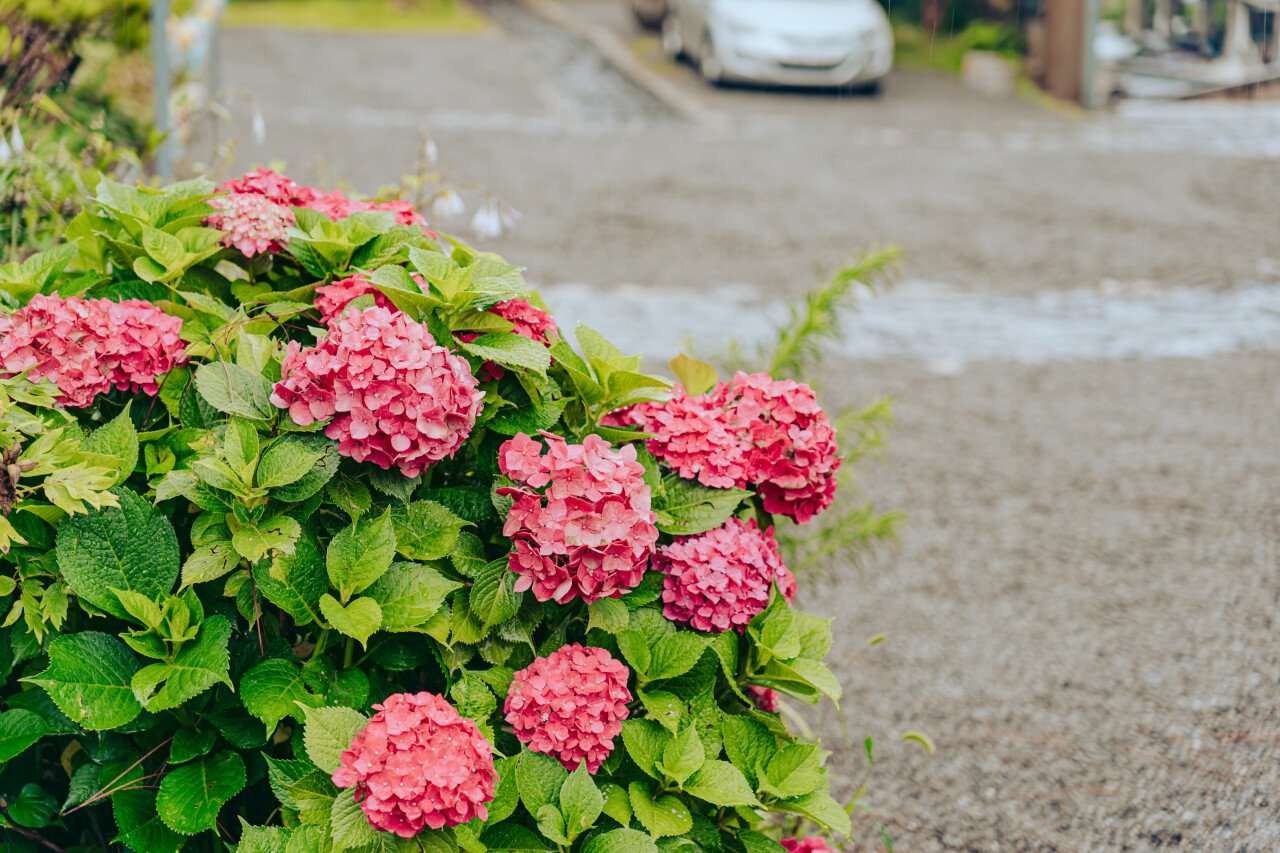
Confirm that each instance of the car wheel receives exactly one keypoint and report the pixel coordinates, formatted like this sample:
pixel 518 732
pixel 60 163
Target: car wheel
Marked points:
pixel 708 63
pixel 672 41
pixel 873 89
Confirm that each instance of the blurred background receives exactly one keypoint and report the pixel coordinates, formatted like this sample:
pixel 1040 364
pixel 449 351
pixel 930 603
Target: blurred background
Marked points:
pixel 1082 346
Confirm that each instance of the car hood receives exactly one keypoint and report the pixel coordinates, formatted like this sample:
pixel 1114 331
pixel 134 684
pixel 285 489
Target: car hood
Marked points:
pixel 809 18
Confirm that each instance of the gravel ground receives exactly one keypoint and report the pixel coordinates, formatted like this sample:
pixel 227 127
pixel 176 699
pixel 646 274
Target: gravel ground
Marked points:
pixel 1081 611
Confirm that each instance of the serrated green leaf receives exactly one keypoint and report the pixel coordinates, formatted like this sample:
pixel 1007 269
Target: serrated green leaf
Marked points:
pixel 199 665
pixel 88 679
pixel 696 376
pixel 294 582
pixel 609 615
pixel 131 547
pixel 349 828
pixel 493 598
pixel 685 507
pixel 287 461
pixel 359 619
pixel 663 817
pixel 327 733
pixel 19 729
pixel 359 554
pixel 510 350
pixel 538 780
pixel 795 770
pixel 274 689
pixel 191 796
pixel 818 807
pixel 645 741
pixel 209 562
pixel 663 707
pixel 682 755
pixel 234 390
pixel 119 440
pixel 621 841
pixel 721 784
pixel 276 534
pixel 581 802
pixel 425 530
pixel 748 744
pixel 513 838
pixel 409 594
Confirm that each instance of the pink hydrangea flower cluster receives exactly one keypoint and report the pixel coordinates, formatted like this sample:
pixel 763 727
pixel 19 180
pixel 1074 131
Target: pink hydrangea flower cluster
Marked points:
pixel 719 580
pixel 332 298
pixel 88 346
pixel 418 763
pixel 335 205
pixel 530 322
pixel 751 431
pixel 590 532
pixel 396 398
pixel 254 224
pixel 766 699
pixel 807 844
pixel 570 705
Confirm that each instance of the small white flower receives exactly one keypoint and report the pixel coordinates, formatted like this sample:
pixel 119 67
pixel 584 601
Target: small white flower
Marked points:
pixel 487 221
pixel 16 140
pixel 447 204
pixel 259 128
pixel 430 152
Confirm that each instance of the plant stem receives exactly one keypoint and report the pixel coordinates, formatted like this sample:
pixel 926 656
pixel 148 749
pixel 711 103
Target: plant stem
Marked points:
pixel 349 653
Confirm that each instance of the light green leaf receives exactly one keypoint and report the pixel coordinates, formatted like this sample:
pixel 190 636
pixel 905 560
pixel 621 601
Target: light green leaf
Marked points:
pixel 721 784
pixel 274 689
pixel 286 461
pixel 359 619
pixel 164 248
pixel 696 376
pixel 198 666
pixel 510 350
pixel 551 825
pixel 119 440
pixel 349 827
pixel 580 802
pixel 820 807
pixel 327 734
pixel 493 599
pixel 131 547
pixel 664 707
pixel 19 728
pixel 621 841
pixel 538 780
pixel 793 771
pixel 294 582
pixel 232 389
pixel 748 744
pixel 685 507
pixel 682 755
pixel 609 615
pixel 645 741
pixel 275 534
pixel 88 679
pixel 359 554
pixel 617 804
pixel 425 530
pixel 666 816
pixel 209 562
pixel 191 796
pixel 409 594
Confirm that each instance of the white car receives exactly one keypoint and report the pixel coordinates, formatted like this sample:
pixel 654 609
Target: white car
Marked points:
pixel 846 43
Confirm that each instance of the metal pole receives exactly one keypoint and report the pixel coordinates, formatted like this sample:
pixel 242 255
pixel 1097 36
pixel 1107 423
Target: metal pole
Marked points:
pixel 163 84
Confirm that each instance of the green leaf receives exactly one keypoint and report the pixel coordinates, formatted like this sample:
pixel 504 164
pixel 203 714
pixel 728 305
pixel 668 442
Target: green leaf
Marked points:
pixel 198 666
pixel 617 805
pixel 820 807
pixel 621 841
pixel 682 755
pixel 131 547
pixel 164 248
pixel 510 350
pixel 260 839
pixel 793 771
pixel 327 734
pixel 473 698
pixel 315 479
pixel 685 507
pixel 493 599
pixel 359 619
pixel 409 594
pixel 425 530
pixel 209 562
pixel 119 440
pixel 349 827
pixel 513 838
pixel 645 741
pixel 359 554
pixel 191 796
pixel 551 825
pixel 754 842
pixel 274 689
pixel 235 390
pixel 666 816
pixel 538 780
pixel 721 784
pixel 313 794
pixel 664 707
pixel 286 461
pixel 275 534
pixel 88 679
pixel 696 376
pixel 609 615
pixel 189 743
pixel 294 582
pixel 748 744
pixel 817 674
pixel 135 810
pixel 580 802
pixel 33 807
pixel 19 728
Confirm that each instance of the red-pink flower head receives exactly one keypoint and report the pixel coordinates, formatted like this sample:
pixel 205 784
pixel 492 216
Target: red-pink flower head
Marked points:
pixel 88 346
pixel 396 399
pixel 589 532
pixel 570 705
pixel 418 764
pixel 807 844
pixel 766 699
pixel 276 187
pixel 530 322
pixel 719 580
pixel 331 299
pixel 254 224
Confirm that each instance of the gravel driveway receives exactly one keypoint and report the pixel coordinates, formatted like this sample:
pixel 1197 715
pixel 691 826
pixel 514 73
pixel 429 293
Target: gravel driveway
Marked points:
pixel 1082 610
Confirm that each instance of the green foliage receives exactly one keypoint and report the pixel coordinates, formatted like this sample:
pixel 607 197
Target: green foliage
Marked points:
pixel 206 600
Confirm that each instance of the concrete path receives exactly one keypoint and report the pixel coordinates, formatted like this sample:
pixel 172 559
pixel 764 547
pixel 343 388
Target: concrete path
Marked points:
pixel 1082 611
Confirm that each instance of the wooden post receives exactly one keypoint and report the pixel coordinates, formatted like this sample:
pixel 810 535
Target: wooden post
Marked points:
pixel 163 84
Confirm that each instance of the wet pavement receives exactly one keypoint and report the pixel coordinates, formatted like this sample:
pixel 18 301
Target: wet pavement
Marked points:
pixel 1084 349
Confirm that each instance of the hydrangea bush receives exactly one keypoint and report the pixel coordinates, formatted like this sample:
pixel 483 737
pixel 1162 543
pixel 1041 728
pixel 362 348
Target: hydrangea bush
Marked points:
pixel 319 534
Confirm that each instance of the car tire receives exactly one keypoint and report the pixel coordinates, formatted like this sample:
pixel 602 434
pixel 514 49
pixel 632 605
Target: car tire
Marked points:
pixel 650 19
pixel 873 89
pixel 708 63
pixel 672 40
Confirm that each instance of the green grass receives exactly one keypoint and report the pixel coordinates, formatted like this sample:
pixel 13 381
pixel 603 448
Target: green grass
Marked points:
pixel 448 16
pixel 915 48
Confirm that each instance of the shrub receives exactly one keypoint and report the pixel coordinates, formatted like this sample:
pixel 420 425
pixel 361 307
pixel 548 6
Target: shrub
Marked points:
pixel 297 566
